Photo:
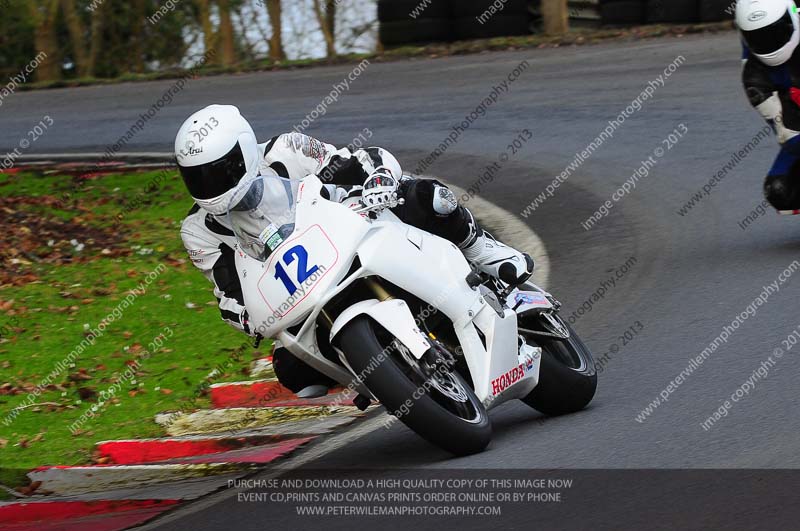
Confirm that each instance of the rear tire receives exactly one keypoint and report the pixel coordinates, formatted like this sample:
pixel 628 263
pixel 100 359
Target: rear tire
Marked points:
pixel 564 386
pixel 384 377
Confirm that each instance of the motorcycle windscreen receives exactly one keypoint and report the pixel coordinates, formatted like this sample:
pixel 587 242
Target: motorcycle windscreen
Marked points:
pixel 261 213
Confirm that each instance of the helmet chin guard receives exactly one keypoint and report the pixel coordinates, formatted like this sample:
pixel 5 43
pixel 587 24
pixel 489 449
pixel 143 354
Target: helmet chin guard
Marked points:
pixel 215 148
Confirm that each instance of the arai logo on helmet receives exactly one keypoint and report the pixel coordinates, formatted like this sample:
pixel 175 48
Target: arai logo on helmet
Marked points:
pixel 191 149
pixel 755 16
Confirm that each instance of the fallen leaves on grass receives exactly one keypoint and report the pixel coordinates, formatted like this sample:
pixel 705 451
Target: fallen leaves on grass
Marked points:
pixel 87 393
pixel 81 375
pixel 28 236
pixel 135 348
pixel 25 442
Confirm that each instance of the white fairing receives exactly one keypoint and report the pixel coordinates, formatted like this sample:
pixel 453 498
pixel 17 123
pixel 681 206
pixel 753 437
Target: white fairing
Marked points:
pixel 394 315
pixel 316 261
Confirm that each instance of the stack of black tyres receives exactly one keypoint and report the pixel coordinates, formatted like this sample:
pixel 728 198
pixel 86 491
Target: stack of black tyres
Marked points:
pixel 431 24
pixel 447 20
pixel 672 11
pixel 472 19
pixel 622 12
pixel 629 12
pixel 424 21
pixel 716 10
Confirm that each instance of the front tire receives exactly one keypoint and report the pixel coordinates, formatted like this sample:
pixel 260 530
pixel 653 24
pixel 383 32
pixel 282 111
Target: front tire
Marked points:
pixel 567 378
pixel 459 428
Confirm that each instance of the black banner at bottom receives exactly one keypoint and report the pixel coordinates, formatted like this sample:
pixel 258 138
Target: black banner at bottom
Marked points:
pixel 523 499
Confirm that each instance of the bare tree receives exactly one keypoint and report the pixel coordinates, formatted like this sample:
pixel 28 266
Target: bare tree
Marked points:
pixel 248 49
pixel 253 15
pixel 556 16
pixel 76 35
pixel 44 13
pixel 330 17
pixel 356 27
pixel 136 59
pixel 226 36
pixel 327 22
pixel 276 52
pixel 96 40
pixel 209 35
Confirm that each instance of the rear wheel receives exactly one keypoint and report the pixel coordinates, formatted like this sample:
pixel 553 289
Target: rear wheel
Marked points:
pixel 567 378
pixel 438 405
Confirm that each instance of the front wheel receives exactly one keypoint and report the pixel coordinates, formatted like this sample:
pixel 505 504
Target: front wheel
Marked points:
pixel 438 405
pixel 567 378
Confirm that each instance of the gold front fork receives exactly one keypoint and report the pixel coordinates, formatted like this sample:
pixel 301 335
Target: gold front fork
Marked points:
pixel 384 295
pixel 378 290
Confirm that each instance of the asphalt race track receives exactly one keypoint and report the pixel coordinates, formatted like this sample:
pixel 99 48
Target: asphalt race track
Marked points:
pixel 690 276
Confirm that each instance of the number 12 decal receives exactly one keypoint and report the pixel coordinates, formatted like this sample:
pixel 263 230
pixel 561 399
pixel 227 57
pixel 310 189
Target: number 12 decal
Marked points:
pixel 303 272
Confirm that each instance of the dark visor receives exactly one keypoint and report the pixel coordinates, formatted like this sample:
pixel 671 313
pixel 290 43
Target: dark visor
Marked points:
pixel 770 38
pixel 215 178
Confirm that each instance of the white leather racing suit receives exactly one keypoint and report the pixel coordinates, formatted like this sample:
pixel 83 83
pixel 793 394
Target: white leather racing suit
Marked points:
pixel 429 205
pixel 210 241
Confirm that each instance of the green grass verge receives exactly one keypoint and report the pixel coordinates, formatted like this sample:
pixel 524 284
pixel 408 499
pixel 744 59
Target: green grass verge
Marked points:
pixel 48 317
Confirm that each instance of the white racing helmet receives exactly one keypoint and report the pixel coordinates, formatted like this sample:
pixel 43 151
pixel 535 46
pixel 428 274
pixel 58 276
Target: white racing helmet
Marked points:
pixel 770 29
pixel 215 148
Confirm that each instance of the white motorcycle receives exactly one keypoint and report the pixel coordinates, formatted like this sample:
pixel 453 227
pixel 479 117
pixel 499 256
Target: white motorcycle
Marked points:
pixel 399 315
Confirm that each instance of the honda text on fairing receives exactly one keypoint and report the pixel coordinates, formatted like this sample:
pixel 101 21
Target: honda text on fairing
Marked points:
pixel 398 314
